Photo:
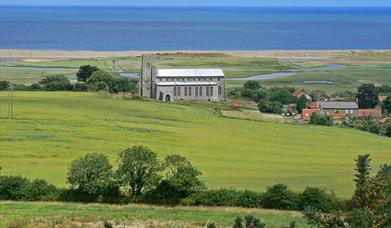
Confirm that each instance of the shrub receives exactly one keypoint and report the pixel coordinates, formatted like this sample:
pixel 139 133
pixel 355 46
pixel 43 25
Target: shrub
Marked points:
pixel 56 83
pixel 280 197
pixel 249 199
pixel 4 84
pixel 319 119
pixel 80 87
pixel 270 106
pixel 40 190
pixel 35 87
pixel 221 197
pixel 12 187
pixel 318 199
pixel 248 221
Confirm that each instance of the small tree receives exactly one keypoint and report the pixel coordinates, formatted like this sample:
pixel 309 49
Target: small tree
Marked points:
pixel 90 174
pixel 138 170
pixel 85 72
pixel 367 96
pixel 363 169
pixel 252 85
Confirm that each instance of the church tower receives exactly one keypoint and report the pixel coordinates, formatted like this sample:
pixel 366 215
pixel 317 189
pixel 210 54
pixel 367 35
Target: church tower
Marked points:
pixel 148 76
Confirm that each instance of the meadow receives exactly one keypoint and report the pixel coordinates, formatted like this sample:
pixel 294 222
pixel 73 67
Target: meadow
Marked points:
pixel 50 129
pixel 90 215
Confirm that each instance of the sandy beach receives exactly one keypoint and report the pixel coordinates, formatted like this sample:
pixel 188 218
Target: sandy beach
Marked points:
pixel 301 54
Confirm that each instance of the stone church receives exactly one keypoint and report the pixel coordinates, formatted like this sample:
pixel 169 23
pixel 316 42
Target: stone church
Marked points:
pixel 180 84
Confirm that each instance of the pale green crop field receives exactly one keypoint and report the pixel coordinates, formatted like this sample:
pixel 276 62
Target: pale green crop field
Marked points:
pixel 51 129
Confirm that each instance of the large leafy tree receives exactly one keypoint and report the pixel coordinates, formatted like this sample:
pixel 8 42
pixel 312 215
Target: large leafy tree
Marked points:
pixel 367 96
pixel 138 170
pixel 90 174
pixel 57 82
pixel 85 72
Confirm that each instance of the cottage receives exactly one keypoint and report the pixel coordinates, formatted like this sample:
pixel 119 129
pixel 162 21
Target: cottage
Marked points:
pixel 181 84
pixel 347 108
pixel 365 113
pixel 301 92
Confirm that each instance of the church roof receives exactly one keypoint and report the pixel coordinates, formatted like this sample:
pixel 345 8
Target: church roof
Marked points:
pixel 186 83
pixel 190 73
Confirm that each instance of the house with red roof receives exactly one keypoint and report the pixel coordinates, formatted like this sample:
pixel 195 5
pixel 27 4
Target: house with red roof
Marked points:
pixel 364 113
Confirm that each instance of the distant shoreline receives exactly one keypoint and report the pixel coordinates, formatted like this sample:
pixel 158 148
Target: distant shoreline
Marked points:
pixel 80 54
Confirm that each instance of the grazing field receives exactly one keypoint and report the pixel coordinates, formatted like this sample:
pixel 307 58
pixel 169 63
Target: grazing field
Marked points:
pixel 90 215
pixel 52 128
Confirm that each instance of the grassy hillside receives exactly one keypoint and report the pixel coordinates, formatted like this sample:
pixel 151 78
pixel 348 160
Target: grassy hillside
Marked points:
pixel 51 129
pixel 12 213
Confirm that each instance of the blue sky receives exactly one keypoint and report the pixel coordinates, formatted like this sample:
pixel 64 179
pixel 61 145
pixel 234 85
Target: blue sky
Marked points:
pixel 201 2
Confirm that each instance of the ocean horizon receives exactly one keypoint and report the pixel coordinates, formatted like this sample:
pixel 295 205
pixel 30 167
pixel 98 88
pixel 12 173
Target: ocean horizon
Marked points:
pixel 194 28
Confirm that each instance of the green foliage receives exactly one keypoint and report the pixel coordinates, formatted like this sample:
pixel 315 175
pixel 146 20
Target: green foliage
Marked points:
pixel 282 95
pixel 386 105
pixel 254 90
pixel 40 190
pixel 363 169
pixel 384 89
pixel 318 219
pixel 90 174
pixel 248 221
pixel 367 96
pixel 56 83
pixel 301 103
pixel 270 106
pixel 102 80
pixel 249 199
pixel 4 85
pixel 180 182
pixel 12 187
pixel 280 197
pixel 319 119
pixel 138 170
pixel 220 197
pixel 318 199
pixel 387 129
pixel 85 72
pixel 80 87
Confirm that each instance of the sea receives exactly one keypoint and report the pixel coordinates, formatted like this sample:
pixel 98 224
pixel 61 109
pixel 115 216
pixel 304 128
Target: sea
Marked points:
pixel 161 28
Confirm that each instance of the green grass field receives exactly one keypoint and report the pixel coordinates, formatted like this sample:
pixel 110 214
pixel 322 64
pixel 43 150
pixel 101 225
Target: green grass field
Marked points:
pixel 51 129
pixel 13 213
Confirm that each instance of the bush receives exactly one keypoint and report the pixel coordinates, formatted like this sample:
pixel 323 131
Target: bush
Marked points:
pixel 318 199
pixel 270 106
pixel 248 221
pixel 80 87
pixel 56 83
pixel 21 87
pixel 280 197
pixel 221 197
pixel 12 187
pixel 40 190
pixel 319 119
pixel 35 87
pixel 4 85
pixel 249 199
